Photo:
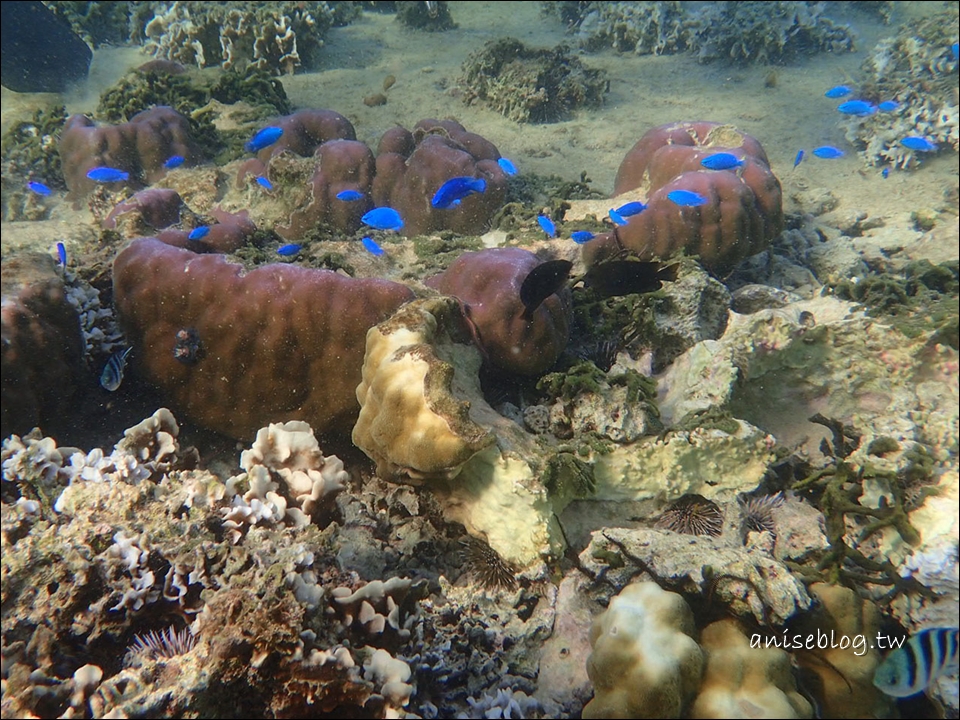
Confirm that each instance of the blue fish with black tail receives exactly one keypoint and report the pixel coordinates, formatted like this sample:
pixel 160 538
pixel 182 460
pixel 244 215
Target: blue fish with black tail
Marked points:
pixel 918 663
pixel 112 374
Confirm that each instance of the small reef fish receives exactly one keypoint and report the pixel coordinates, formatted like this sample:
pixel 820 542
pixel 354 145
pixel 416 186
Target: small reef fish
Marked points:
pixel 721 161
pixel 799 158
pixel 542 282
pixel 112 374
pixel 456 189
pixel 920 144
pixel 625 277
pixel 264 183
pixel 371 246
pixel 828 152
pixel 198 233
pixel 349 195
pixel 39 188
pixel 885 173
pixel 289 249
pixel 955 49
pixel 547 224
pixel 581 236
pixel 838 91
pixel 383 218
pixel 686 198
pixel 888 106
pixel 508 167
pixel 918 663
pixel 107 175
pixel 617 218
pixel 861 108
pixel 631 208
pixel 174 162
pixel 264 138
pixel 62 255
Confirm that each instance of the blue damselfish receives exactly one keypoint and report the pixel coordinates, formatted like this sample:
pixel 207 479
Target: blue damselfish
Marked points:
pixel 265 138
pixel 456 189
pixel 686 198
pixel 383 218
pixel 107 175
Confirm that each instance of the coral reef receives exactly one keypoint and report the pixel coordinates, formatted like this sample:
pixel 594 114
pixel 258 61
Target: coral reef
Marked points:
pixel 432 16
pixel 742 213
pixel 28 151
pixel 265 334
pixel 531 85
pixel 139 147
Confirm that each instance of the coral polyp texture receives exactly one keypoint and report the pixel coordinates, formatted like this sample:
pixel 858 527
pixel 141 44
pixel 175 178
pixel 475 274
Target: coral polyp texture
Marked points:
pixel 739 212
pixel 266 335
pixel 139 147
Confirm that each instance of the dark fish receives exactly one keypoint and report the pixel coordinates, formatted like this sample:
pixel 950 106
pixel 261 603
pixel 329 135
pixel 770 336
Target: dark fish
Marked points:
pixel 62 255
pixel 617 218
pixel 721 161
pixel 837 92
pixel 919 663
pixel 456 189
pixel 372 247
pixel 631 208
pixel 198 233
pixel 624 277
pixel 265 138
pixel 289 249
pixel 39 188
pixel 112 374
pixel 547 224
pixel 860 108
pixel 888 106
pixel 799 158
pixel 508 167
pixel 383 218
pixel 174 162
pixel 920 144
pixel 581 236
pixel 349 195
pixel 828 152
pixel 264 183
pixel 542 282
pixel 107 175
pixel 686 198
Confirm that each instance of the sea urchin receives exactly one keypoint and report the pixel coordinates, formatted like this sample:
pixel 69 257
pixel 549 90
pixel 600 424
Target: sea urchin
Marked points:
pixel 692 514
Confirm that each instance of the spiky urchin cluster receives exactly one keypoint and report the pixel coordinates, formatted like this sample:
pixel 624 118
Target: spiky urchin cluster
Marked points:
pixel 758 512
pixel 162 644
pixel 692 514
pixel 491 569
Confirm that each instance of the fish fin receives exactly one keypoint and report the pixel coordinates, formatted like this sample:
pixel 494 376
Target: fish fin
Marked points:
pixel 543 281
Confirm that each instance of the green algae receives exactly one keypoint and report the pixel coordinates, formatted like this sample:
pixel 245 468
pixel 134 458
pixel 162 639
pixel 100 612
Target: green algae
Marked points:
pixel 254 87
pixel 28 151
pixel 138 91
pixel 436 251
pixel 582 377
pixel 568 477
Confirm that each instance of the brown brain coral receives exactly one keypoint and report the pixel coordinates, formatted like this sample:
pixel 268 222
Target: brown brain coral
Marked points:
pixel 742 213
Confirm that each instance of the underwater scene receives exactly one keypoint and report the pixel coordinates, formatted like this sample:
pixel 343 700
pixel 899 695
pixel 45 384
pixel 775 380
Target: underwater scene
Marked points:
pixel 480 359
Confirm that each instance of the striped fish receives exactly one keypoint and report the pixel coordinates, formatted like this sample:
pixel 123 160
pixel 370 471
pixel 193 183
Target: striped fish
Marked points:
pixel 918 663
pixel 112 374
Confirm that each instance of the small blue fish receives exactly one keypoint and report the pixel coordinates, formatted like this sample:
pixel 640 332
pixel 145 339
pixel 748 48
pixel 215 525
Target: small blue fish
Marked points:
pixel 198 233
pixel 885 173
pixel 383 218
pixel 456 189
pixel 39 188
pixel 508 167
pixel 547 224
pixel 581 236
pixel 860 108
pixel 721 161
pixel 371 245
pixel 837 92
pixel 828 152
pixel 349 195
pixel 265 138
pixel 631 208
pixel 107 175
pixel 174 162
pixel 918 663
pixel 888 106
pixel 289 249
pixel 112 374
pixel 799 158
pixel 264 183
pixel 955 49
pixel 62 255
pixel 617 218
pixel 686 198
pixel 920 144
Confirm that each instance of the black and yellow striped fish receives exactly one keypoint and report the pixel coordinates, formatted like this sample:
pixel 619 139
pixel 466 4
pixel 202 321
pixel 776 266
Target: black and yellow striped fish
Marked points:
pixel 917 664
